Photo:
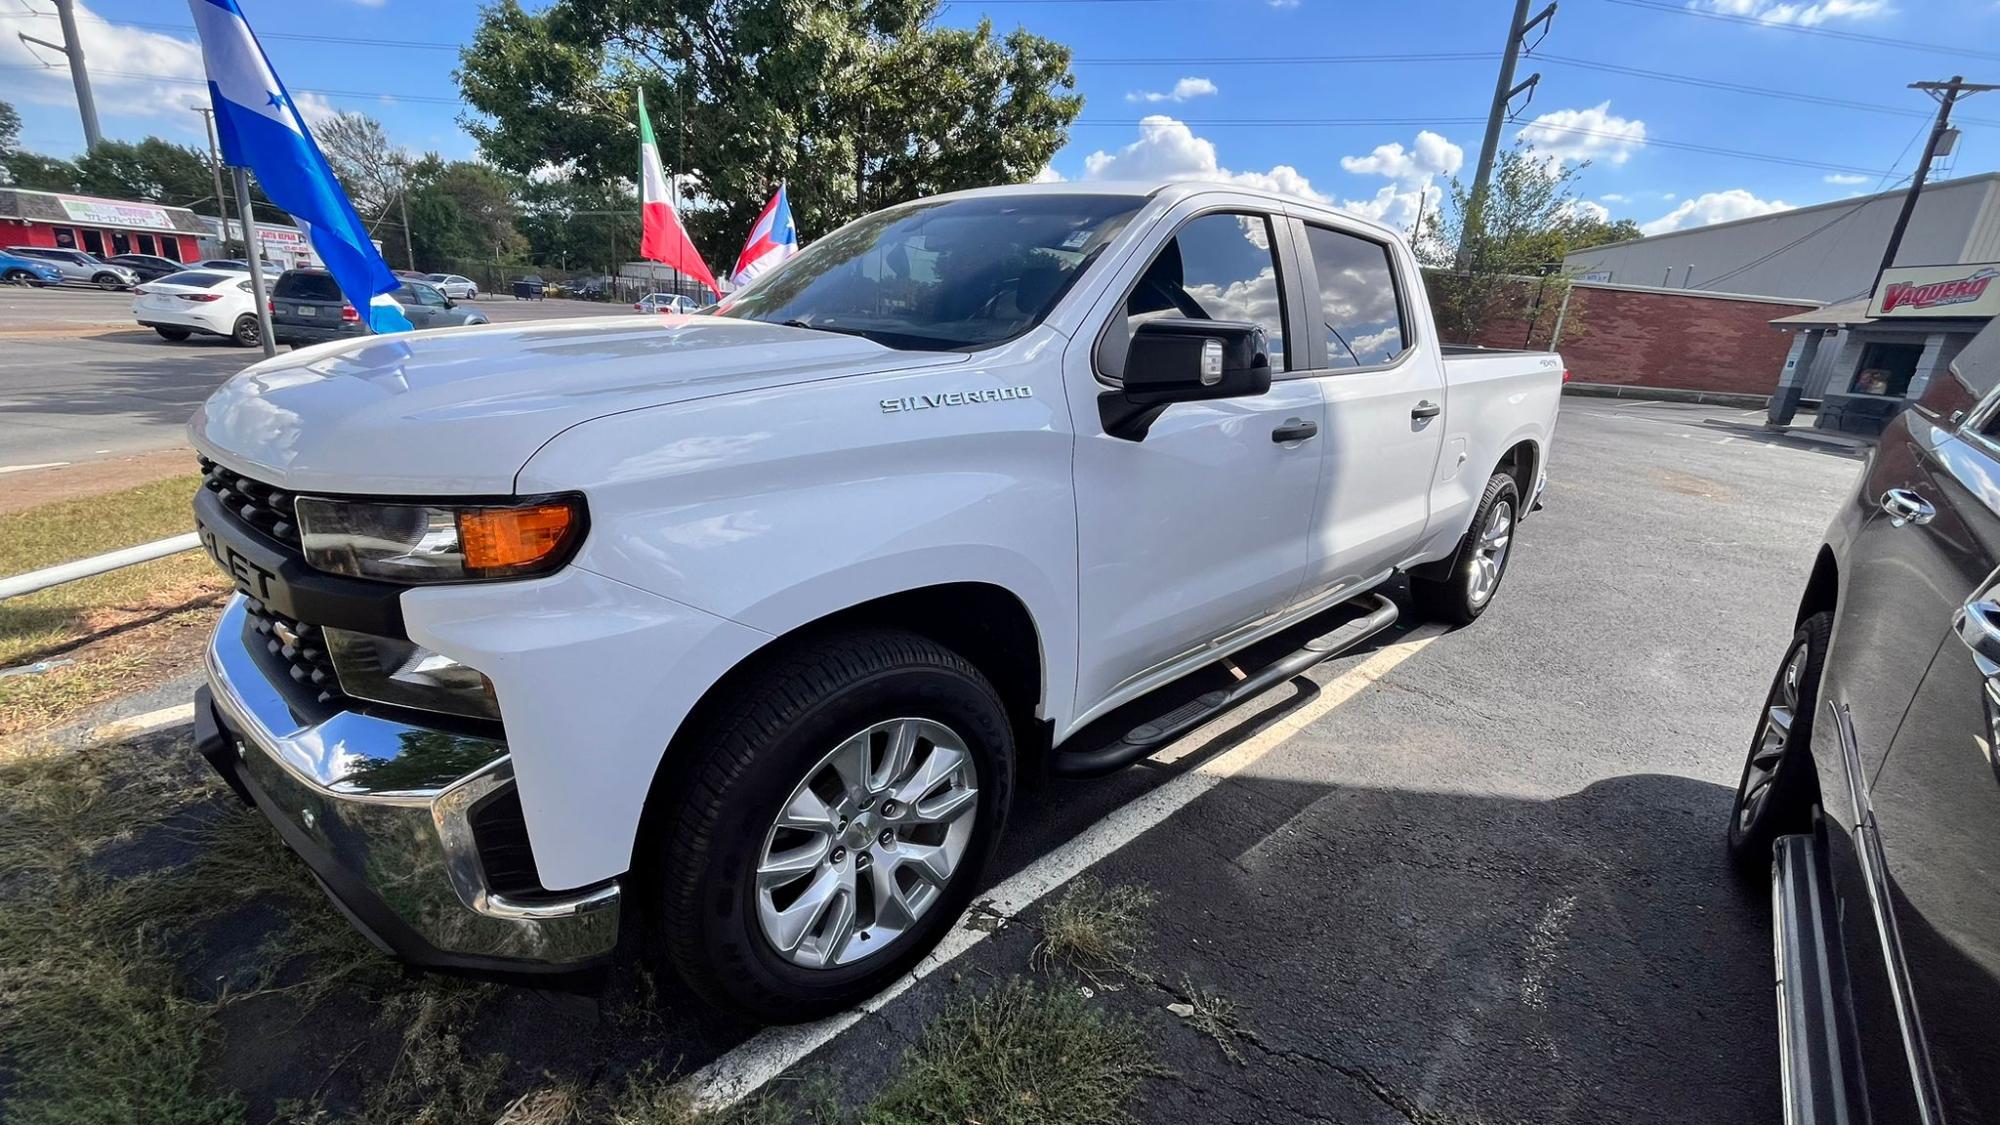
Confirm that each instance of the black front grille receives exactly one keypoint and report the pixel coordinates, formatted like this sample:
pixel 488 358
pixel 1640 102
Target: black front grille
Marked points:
pixel 501 834
pixel 254 504
pixel 304 658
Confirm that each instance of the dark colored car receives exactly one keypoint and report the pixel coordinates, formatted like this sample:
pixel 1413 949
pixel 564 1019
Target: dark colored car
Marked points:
pixel 529 288
pixel 1872 789
pixel 307 307
pixel 149 267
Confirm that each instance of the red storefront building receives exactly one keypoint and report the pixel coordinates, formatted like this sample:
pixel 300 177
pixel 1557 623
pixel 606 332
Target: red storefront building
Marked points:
pixel 100 226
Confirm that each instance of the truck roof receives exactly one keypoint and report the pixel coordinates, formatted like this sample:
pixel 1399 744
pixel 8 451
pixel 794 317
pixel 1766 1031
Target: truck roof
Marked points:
pixel 1168 193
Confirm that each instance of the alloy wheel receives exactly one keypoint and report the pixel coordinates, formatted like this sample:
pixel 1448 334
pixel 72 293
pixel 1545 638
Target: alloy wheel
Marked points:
pixel 866 843
pixel 1774 738
pixel 1489 555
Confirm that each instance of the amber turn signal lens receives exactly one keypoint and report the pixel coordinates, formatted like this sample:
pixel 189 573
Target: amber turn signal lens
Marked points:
pixel 502 539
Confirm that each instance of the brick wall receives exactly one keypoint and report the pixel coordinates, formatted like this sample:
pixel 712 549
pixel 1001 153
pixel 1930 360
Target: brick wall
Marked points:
pixel 1655 338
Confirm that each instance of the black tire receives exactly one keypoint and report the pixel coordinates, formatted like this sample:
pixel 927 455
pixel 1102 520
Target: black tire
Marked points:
pixel 1780 785
pixel 109 282
pixel 708 833
pixel 245 332
pixel 19 277
pixel 174 334
pixel 1446 591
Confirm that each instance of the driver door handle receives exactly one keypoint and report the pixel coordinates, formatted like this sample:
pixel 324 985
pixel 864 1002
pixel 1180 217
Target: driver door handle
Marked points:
pixel 1904 506
pixel 1426 409
pixel 1294 429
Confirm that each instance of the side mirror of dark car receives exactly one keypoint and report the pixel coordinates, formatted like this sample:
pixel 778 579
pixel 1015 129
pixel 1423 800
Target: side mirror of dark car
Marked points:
pixel 1176 359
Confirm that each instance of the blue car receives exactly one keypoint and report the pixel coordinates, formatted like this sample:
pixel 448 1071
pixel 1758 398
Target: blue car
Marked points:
pixel 17 270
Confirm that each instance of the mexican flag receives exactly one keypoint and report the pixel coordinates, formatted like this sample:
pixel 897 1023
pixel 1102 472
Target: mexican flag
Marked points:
pixel 664 239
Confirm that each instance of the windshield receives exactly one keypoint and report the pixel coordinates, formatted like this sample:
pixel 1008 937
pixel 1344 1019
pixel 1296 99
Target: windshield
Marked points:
pixel 940 274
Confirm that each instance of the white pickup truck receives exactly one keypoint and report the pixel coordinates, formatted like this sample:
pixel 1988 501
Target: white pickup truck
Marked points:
pixel 733 631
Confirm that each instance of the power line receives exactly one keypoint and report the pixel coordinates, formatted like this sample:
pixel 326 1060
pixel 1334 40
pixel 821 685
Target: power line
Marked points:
pixel 1803 29
pixel 1754 91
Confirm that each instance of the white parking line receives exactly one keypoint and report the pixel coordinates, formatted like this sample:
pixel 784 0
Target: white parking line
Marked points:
pixel 140 724
pixel 25 468
pixel 764 1056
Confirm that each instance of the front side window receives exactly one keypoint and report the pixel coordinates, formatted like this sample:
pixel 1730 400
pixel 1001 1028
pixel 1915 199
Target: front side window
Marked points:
pixel 950 274
pixel 1218 267
pixel 1358 309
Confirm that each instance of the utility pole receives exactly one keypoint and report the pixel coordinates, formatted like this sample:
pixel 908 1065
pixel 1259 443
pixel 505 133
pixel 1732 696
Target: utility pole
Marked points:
pixel 215 166
pixel 1947 95
pixel 72 48
pixel 1505 90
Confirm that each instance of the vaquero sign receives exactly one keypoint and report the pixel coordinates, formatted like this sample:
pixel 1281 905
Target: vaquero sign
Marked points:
pixel 1966 290
pixel 105 213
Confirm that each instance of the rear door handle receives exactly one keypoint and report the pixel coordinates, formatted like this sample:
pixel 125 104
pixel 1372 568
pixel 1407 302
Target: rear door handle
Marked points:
pixel 1977 623
pixel 1426 409
pixel 1905 506
pixel 1294 429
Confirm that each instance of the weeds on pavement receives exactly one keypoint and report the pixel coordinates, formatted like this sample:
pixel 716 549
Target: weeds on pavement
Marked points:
pixel 1093 929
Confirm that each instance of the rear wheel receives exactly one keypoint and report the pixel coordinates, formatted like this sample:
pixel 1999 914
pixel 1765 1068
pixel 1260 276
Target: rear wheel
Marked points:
pixel 245 332
pixel 174 334
pixel 845 802
pixel 1460 589
pixel 1776 794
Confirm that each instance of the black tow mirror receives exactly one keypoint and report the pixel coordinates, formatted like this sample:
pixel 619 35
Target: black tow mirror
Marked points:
pixel 1175 359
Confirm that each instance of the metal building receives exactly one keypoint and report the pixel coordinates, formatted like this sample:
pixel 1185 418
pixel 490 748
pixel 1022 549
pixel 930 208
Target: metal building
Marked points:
pixel 1828 252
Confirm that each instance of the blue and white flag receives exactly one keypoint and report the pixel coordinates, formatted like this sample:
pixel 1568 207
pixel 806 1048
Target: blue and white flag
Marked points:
pixel 261 130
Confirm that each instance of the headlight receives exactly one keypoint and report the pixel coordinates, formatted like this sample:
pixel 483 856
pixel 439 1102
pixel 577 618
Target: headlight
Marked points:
pixel 438 542
pixel 397 672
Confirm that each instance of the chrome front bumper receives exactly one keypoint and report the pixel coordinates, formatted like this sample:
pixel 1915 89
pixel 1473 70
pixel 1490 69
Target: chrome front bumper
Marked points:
pixel 382 812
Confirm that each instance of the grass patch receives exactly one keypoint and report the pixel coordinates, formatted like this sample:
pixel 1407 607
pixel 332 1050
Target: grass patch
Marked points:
pixel 94 1024
pixel 1019 1054
pixel 67 530
pixel 1093 929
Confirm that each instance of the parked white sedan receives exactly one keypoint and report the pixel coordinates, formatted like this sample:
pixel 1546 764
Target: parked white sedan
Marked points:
pixel 209 302
pixel 453 286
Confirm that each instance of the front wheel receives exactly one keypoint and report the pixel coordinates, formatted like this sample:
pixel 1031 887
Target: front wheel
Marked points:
pixel 1776 793
pixel 109 282
pixel 176 335
pixel 1459 589
pixel 19 277
pixel 844 804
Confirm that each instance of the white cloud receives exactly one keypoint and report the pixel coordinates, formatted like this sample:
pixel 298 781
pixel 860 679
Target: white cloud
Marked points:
pixel 1282 3
pixel 1714 207
pixel 1844 179
pixel 1584 134
pixel 1668 196
pixel 1183 90
pixel 1048 175
pixel 1412 172
pixel 1612 197
pixel 1430 155
pixel 1586 209
pixel 1795 12
pixel 114 51
pixel 1168 150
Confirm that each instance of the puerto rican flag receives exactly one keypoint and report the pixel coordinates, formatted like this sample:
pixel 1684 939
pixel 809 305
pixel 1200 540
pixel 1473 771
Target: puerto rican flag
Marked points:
pixel 772 240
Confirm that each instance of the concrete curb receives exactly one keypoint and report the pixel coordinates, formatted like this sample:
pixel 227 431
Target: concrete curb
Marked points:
pixel 1668 394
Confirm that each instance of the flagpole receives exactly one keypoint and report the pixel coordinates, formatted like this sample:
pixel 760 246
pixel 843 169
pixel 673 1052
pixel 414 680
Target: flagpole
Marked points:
pixel 254 252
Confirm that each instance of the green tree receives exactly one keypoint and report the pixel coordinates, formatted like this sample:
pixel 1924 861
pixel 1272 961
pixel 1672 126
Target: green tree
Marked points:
pixel 461 209
pixel 854 103
pixel 1513 256
pixel 36 172
pixel 574 224
pixel 357 148
pixel 10 129
pixel 153 170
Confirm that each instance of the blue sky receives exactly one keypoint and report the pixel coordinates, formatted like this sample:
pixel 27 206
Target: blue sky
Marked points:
pixel 1222 77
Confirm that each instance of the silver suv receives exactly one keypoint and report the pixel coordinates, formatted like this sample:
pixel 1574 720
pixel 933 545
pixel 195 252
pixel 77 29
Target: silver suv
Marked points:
pixel 81 268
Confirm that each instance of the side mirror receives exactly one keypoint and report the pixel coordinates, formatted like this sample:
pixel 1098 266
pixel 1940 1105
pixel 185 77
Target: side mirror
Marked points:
pixel 1175 359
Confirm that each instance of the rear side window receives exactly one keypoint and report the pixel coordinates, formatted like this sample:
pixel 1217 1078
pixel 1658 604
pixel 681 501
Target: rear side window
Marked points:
pixel 1219 267
pixel 308 287
pixel 194 278
pixel 1358 306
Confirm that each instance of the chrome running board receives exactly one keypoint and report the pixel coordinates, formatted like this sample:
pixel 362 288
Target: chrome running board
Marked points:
pixel 1810 1041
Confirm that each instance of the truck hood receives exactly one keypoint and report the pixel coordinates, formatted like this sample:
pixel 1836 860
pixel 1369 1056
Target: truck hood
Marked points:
pixel 459 411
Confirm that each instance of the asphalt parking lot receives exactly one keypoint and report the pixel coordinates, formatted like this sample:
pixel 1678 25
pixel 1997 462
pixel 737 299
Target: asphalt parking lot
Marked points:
pixel 1468 876
pixel 78 379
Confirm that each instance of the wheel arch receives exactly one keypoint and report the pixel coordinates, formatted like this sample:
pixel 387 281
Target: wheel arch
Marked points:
pixel 986 623
pixel 1523 462
pixel 1823 588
